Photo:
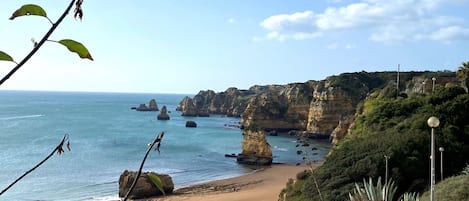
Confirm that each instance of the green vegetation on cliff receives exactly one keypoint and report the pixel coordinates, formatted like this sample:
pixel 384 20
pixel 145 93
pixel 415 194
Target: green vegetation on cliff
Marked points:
pixel 396 127
pixel 453 188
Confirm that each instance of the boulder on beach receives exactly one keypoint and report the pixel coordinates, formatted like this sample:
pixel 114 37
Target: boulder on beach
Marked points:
pixel 191 124
pixel 145 187
pixel 163 115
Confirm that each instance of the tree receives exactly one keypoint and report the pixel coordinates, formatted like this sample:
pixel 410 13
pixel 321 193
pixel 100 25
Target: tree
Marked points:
pixel 35 10
pixel 463 75
pixel 73 46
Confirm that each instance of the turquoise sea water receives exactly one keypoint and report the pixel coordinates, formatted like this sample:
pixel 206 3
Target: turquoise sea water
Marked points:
pixel 108 137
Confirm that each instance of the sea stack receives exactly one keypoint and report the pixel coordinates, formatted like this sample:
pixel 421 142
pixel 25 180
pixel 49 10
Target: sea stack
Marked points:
pixel 163 115
pixel 255 149
pixel 152 106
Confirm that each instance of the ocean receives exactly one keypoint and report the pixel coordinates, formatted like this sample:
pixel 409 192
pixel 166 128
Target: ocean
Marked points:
pixel 107 137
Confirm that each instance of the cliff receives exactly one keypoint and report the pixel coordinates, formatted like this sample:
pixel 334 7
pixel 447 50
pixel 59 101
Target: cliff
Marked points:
pixel 326 107
pixel 232 103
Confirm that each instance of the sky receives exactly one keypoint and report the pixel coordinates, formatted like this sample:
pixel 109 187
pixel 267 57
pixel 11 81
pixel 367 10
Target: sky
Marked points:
pixel 184 46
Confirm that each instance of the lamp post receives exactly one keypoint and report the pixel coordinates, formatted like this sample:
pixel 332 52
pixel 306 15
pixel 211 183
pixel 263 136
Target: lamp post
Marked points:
pixel 423 86
pixel 441 162
pixel 433 122
pixel 433 86
pixel 386 179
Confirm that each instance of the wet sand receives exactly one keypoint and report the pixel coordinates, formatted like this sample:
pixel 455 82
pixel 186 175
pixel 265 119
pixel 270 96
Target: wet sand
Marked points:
pixel 263 184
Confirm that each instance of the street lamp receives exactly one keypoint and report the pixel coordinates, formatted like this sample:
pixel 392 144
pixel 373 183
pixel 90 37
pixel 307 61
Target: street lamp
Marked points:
pixel 423 86
pixel 386 178
pixel 433 122
pixel 441 161
pixel 433 86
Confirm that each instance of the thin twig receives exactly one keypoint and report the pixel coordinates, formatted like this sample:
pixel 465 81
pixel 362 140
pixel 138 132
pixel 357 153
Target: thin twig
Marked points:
pixel 36 47
pixel 156 140
pixel 57 149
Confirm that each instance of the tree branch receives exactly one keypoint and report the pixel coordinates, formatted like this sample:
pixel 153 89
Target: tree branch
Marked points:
pixel 36 48
pixel 156 140
pixel 58 149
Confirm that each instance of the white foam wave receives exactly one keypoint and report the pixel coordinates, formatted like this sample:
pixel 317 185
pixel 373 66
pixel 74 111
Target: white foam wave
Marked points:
pixel 21 117
pixel 106 198
pixel 280 148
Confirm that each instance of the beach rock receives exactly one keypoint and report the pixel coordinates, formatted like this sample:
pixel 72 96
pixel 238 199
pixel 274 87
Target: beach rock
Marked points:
pixel 163 115
pixel 144 187
pixel 191 124
pixel 255 149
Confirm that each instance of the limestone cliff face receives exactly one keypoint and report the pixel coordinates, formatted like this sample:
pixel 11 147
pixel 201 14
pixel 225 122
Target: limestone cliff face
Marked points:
pixel 328 107
pixel 325 107
pixel 232 102
pixel 279 107
pixel 424 84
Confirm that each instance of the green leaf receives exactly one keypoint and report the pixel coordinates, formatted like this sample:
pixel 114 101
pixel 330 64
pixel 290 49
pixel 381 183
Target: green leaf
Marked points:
pixel 157 181
pixel 29 9
pixel 5 57
pixel 76 47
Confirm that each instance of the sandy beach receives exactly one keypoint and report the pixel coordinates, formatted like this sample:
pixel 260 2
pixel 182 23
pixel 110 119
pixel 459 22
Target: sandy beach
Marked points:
pixel 263 184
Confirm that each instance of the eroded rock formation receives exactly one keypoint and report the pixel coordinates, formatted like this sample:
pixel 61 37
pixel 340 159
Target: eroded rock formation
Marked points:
pixel 311 109
pixel 163 115
pixel 255 149
pixel 232 103
pixel 152 106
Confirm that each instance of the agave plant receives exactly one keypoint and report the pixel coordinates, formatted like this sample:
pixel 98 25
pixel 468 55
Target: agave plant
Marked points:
pixel 409 197
pixel 370 192
pixel 465 171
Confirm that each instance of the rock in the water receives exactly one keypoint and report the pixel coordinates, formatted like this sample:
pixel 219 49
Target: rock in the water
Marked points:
pixel 253 160
pixel 142 107
pixel 191 124
pixel 163 115
pixel 144 187
pixel 152 106
pixel 256 150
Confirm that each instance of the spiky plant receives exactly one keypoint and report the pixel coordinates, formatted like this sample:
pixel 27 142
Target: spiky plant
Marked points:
pixel 465 171
pixel 409 197
pixel 371 192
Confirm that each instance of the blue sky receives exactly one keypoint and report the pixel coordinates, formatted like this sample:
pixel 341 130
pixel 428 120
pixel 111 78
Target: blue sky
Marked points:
pixel 185 46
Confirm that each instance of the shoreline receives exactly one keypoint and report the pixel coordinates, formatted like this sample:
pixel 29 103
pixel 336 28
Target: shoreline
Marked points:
pixel 263 184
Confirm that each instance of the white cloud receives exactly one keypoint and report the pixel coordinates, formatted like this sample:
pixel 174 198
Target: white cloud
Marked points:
pixel 336 45
pixel 451 33
pixel 383 20
pixel 295 22
pixel 231 21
